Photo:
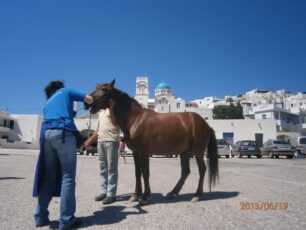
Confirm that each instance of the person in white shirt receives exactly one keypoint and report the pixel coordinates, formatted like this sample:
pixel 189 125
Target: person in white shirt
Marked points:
pixel 107 133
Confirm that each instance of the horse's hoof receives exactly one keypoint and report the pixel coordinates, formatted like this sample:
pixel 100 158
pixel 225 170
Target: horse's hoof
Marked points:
pixel 144 202
pixel 195 199
pixel 134 198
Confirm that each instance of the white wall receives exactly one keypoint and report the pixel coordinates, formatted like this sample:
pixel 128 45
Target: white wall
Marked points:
pixel 83 124
pixel 18 145
pixel 28 126
pixel 202 111
pixel 244 129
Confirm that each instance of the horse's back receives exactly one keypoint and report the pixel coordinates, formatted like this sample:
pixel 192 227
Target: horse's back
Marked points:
pixel 169 133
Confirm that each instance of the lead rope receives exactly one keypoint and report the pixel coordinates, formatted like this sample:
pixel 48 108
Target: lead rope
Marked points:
pixel 83 160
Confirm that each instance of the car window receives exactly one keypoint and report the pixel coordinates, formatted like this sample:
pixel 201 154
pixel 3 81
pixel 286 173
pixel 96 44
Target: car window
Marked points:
pixel 222 142
pixel 303 141
pixel 249 143
pixel 281 142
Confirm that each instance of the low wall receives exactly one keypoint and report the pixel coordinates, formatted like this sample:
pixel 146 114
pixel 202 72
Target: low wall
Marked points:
pixel 18 145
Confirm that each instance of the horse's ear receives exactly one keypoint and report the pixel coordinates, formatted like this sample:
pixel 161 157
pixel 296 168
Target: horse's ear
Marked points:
pixel 111 85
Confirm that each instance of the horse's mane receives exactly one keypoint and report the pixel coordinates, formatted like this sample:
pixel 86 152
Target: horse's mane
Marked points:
pixel 117 93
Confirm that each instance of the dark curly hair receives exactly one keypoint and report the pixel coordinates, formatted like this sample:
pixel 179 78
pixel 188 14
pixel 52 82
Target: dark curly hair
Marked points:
pixel 52 87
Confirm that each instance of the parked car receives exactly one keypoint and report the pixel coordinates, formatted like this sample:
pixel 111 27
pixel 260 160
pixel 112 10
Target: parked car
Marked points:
pixel 90 150
pixel 300 144
pixel 246 148
pixel 278 147
pixel 223 148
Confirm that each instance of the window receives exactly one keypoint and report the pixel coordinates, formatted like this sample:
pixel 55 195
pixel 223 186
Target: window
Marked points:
pixel 229 137
pixel 178 105
pixel 264 116
pixel 303 141
pixel 284 142
pixel 11 124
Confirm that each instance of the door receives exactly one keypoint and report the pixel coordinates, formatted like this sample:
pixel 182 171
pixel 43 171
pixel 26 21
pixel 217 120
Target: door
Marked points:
pixel 259 139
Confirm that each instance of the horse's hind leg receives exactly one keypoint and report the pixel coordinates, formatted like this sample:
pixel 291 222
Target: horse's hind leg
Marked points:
pixel 185 171
pixel 138 189
pixel 202 169
pixel 145 167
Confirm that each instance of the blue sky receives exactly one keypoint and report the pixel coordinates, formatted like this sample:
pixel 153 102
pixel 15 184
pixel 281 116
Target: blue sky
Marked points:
pixel 200 48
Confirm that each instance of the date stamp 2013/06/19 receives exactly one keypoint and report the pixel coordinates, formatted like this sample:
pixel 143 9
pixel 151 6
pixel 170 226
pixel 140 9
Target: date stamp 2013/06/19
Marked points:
pixel 263 206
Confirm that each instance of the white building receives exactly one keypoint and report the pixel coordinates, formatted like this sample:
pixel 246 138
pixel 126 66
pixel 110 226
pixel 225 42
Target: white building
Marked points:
pixel 286 108
pixel 234 130
pixel 7 123
pixel 19 131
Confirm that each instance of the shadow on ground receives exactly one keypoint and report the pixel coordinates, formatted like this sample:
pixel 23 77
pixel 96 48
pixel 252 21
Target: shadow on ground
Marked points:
pixel 12 178
pixel 158 198
pixel 107 215
pixel 116 213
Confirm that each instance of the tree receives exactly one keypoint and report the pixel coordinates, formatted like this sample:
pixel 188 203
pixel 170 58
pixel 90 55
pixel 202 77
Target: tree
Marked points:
pixel 228 111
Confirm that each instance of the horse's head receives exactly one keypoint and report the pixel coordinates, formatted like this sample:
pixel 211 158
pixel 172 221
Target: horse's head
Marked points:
pixel 101 97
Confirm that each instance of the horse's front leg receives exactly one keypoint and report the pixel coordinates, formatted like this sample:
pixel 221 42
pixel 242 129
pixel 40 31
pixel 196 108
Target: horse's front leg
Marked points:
pixel 145 168
pixel 138 190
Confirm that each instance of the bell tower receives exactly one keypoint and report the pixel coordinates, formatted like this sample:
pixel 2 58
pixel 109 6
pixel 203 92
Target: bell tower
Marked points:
pixel 142 91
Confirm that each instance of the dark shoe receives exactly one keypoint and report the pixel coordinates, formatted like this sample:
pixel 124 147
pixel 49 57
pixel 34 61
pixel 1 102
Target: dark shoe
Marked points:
pixel 74 225
pixel 46 223
pixel 100 197
pixel 109 200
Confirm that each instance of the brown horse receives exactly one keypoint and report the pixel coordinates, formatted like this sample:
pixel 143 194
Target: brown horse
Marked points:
pixel 147 132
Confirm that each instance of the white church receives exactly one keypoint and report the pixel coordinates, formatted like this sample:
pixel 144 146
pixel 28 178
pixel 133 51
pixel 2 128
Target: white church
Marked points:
pixel 164 100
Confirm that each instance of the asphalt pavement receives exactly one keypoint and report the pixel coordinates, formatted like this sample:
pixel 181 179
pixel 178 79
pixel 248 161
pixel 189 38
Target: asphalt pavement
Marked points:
pixel 251 194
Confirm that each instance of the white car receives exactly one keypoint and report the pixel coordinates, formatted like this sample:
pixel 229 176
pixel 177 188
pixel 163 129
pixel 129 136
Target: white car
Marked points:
pixel 300 144
pixel 223 148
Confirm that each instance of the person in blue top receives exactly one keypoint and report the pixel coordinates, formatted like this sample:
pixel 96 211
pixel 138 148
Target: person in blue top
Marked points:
pixel 56 167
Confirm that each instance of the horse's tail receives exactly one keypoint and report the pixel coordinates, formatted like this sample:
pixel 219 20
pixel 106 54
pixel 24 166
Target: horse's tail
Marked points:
pixel 212 155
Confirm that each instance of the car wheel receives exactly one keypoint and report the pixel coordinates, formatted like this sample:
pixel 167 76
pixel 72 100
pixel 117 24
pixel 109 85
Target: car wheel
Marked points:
pixel 290 156
pixel 249 156
pixel 227 156
pixel 259 156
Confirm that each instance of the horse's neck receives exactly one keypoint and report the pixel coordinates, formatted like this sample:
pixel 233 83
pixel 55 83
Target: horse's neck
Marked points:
pixel 127 112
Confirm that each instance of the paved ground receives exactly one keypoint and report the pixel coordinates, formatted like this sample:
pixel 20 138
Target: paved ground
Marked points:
pixel 251 194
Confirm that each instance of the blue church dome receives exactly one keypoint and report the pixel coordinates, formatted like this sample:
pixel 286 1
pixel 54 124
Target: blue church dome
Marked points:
pixel 163 85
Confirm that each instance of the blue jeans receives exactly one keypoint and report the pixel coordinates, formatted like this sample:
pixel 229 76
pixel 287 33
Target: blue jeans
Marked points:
pixel 108 161
pixel 58 157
